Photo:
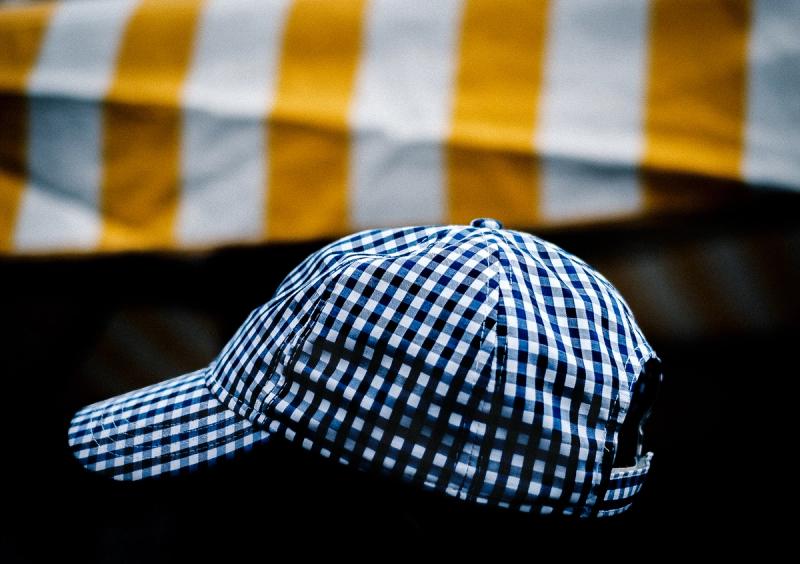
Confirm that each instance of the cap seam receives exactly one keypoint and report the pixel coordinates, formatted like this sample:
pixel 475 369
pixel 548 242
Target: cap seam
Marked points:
pixel 474 462
pixel 482 462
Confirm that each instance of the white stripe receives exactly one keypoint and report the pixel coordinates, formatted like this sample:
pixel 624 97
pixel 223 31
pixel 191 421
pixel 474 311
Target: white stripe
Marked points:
pixel 590 121
pixel 773 124
pixel 226 98
pixel 59 206
pixel 401 111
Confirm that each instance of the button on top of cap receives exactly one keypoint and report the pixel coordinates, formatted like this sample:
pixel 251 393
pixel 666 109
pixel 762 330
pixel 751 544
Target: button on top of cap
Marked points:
pixel 486 222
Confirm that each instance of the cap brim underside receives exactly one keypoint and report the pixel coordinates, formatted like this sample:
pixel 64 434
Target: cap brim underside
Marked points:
pixel 169 427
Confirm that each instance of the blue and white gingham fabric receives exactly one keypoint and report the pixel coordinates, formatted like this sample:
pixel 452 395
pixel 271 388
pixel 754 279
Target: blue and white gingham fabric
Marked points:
pixel 483 363
pixel 623 486
pixel 161 428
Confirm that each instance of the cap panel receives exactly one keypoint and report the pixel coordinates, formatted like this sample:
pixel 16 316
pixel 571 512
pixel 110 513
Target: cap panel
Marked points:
pixel 545 440
pixel 396 370
pixel 570 338
pixel 246 370
pixel 165 428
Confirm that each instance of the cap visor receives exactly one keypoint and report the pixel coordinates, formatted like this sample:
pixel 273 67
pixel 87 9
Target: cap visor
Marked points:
pixel 168 427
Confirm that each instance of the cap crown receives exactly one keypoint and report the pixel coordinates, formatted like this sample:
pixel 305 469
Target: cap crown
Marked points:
pixel 484 363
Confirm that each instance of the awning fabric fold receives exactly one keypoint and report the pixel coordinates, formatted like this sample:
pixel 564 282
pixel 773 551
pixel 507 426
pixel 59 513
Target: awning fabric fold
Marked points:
pixel 151 125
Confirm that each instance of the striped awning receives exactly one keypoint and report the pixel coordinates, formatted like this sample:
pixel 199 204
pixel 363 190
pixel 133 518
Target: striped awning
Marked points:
pixel 183 124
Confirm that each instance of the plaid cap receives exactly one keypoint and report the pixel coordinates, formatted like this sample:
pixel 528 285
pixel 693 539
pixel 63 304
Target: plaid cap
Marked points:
pixel 476 361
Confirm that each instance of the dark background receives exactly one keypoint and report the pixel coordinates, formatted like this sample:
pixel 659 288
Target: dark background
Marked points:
pixel 722 431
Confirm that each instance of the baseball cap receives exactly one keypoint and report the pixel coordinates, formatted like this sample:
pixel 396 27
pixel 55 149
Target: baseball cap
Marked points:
pixel 479 362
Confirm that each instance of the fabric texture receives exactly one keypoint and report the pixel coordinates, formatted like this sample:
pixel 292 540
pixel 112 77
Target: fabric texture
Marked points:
pixel 483 363
pixel 167 427
pixel 623 486
pixel 128 124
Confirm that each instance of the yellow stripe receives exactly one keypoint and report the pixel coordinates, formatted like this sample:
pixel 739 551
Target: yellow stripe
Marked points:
pixel 309 140
pixel 22 30
pixel 492 170
pixel 695 110
pixel 142 126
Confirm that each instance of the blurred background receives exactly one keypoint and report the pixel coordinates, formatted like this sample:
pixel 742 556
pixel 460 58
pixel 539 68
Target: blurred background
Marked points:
pixel 164 164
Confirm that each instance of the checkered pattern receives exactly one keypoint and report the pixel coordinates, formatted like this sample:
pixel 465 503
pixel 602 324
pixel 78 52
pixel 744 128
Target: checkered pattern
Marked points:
pixel 483 363
pixel 623 486
pixel 167 427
